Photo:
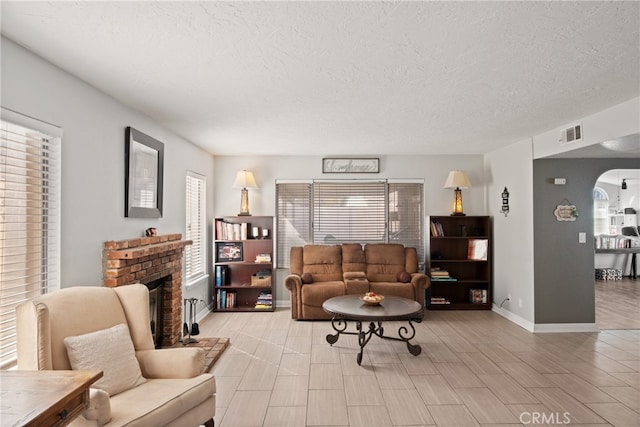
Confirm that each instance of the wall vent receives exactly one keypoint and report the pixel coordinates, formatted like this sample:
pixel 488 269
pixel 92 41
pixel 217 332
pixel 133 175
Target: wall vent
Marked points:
pixel 571 135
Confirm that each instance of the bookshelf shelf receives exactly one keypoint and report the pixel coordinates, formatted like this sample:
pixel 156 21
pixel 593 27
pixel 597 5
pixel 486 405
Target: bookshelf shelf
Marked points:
pixel 459 251
pixel 243 284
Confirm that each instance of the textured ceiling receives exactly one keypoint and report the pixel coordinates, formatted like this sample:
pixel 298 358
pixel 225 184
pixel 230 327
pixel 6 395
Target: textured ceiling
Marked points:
pixel 345 78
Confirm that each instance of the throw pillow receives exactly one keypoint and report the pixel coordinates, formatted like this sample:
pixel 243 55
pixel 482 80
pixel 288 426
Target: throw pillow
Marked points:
pixel 110 351
pixel 307 278
pixel 404 277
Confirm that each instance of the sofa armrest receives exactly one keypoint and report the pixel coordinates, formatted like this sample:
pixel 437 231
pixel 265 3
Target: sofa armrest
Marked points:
pixel 420 282
pixel 293 282
pixel 186 362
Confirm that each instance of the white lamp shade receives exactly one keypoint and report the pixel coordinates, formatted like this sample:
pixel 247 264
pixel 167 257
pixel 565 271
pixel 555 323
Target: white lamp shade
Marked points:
pixel 245 179
pixel 457 179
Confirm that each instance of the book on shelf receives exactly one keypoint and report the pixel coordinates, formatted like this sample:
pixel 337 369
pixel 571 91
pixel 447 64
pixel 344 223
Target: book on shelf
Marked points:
pixel 222 275
pixel 436 229
pixel 225 299
pixel 439 300
pixel 478 249
pixel 232 231
pixel 439 275
pixel 264 301
pixel 263 258
pixel 478 296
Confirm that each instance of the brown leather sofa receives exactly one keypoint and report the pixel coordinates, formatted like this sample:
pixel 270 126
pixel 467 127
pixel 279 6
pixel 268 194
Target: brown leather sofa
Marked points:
pixel 319 272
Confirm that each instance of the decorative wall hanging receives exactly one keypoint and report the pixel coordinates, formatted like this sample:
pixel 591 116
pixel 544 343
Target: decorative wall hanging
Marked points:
pixel 565 211
pixel 350 165
pixel 144 165
pixel 505 202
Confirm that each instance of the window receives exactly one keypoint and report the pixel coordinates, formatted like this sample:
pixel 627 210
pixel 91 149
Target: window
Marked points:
pixel 195 254
pixel 29 218
pixel 327 212
pixel 600 211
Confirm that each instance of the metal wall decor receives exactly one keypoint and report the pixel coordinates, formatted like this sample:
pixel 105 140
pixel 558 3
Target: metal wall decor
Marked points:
pixel 350 165
pixel 505 202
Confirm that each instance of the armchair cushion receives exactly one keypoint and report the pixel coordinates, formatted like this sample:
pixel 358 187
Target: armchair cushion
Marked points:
pixel 111 351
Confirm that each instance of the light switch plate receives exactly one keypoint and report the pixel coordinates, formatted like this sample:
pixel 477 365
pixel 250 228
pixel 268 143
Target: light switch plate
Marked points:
pixel 582 237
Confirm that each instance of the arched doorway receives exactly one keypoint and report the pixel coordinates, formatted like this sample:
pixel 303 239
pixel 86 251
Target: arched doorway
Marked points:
pixel 616 216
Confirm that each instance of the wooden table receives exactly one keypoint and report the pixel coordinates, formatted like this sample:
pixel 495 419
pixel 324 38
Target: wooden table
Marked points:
pixel 350 308
pixel 44 398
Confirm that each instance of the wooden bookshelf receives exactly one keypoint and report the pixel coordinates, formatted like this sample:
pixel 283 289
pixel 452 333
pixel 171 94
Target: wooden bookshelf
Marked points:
pixel 241 279
pixel 459 263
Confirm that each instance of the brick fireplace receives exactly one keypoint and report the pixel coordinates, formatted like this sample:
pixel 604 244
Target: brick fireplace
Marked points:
pixel 150 259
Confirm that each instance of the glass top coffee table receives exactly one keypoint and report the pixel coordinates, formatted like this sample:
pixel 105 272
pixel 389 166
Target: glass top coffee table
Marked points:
pixel 347 308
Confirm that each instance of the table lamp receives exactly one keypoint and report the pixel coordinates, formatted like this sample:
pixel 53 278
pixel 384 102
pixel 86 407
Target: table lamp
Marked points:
pixel 457 180
pixel 244 180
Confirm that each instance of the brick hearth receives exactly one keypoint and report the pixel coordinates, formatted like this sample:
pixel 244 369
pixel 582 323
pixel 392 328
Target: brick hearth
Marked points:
pixel 144 260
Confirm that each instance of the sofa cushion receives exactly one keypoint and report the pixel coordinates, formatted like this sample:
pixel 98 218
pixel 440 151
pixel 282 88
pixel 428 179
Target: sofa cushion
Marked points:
pixel 384 261
pixel 159 401
pixel 108 350
pixel 324 262
pixel 315 295
pixel 353 257
pixel 404 290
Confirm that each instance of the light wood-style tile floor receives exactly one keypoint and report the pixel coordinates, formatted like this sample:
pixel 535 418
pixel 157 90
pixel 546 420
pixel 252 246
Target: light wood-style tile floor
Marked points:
pixel 618 304
pixel 476 368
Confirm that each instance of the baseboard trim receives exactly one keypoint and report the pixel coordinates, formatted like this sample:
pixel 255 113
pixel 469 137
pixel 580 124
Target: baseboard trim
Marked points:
pixel 545 327
pixel 523 323
pixel 565 327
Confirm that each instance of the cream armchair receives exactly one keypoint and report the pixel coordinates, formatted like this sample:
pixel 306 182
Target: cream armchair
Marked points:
pixel 174 392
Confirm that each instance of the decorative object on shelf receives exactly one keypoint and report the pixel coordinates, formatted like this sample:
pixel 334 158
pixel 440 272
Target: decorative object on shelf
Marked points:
pixel 565 211
pixel 505 202
pixel 350 165
pixel 624 184
pixel 244 180
pixel 457 180
pixel 229 251
pixel 477 249
pixel 144 165
pixel 150 232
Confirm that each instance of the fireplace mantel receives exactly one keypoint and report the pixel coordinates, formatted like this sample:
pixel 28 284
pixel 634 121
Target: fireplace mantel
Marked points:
pixel 145 260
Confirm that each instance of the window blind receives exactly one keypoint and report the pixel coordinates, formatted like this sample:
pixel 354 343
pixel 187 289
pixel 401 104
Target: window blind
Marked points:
pixel 332 212
pixel 293 210
pixel 29 222
pixel 195 259
pixel 349 212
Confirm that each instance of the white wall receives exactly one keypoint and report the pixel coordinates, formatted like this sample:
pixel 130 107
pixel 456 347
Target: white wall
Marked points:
pixel 93 162
pixel 614 122
pixel 433 169
pixel 512 167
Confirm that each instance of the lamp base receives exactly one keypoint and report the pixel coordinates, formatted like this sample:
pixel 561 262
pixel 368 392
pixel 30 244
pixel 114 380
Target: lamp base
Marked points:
pixel 458 214
pixel 244 214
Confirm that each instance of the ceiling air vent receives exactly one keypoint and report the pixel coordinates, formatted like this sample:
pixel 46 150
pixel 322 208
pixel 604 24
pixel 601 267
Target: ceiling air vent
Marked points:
pixel 571 135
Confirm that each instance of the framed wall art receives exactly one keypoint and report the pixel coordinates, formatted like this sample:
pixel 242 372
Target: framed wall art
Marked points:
pixel 350 165
pixel 228 251
pixel 144 166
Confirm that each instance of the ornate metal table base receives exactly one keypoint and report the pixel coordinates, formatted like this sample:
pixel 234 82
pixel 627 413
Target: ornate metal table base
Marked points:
pixel 339 324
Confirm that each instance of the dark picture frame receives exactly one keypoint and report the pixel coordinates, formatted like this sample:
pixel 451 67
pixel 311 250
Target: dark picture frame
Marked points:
pixel 350 165
pixel 228 251
pixel 144 168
